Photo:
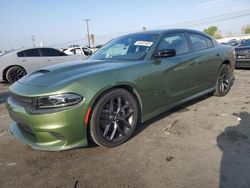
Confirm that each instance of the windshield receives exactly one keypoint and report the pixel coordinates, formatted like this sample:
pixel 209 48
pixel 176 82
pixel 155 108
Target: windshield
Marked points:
pixel 129 47
pixel 246 43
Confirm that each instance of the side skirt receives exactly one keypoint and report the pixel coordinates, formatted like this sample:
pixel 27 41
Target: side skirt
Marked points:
pixel 166 108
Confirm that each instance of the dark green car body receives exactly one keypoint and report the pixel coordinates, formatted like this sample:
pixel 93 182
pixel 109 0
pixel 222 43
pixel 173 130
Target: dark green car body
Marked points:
pixel 158 84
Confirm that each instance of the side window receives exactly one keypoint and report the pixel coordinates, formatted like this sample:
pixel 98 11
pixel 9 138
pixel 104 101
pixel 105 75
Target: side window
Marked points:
pixel 50 52
pixel 200 42
pixel 31 53
pixel 78 51
pixel 174 41
pixel 73 51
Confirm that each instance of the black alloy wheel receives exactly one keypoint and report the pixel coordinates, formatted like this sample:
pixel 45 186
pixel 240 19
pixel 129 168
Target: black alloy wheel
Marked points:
pixel 14 73
pixel 114 118
pixel 223 83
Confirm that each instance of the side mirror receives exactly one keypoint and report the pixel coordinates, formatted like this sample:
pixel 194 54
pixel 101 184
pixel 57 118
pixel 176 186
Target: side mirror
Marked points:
pixel 165 53
pixel 87 52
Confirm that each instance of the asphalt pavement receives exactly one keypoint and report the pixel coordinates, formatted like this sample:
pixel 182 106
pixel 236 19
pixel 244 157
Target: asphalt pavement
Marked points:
pixel 204 143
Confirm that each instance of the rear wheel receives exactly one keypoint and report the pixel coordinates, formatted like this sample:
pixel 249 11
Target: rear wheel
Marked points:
pixel 14 73
pixel 223 83
pixel 114 118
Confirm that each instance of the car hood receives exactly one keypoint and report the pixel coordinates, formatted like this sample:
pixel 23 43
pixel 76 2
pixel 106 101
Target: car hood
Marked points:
pixel 242 48
pixel 68 72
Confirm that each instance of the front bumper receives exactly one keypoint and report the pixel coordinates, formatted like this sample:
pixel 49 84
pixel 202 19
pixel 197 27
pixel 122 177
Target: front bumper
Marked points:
pixel 60 130
pixel 242 63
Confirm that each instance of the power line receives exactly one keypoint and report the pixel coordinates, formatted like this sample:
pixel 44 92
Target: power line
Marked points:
pixel 212 19
pixel 197 22
pixel 192 23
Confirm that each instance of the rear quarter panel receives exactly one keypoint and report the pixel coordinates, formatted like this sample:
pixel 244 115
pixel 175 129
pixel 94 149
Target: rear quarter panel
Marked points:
pixel 228 54
pixel 6 61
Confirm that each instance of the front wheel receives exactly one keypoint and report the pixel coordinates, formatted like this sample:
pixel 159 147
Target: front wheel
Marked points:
pixel 223 83
pixel 114 118
pixel 14 73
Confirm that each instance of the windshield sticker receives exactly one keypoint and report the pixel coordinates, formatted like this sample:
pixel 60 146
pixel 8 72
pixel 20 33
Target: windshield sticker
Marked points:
pixel 143 43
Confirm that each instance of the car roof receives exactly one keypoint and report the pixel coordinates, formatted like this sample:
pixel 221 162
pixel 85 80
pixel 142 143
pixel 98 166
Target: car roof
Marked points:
pixel 161 31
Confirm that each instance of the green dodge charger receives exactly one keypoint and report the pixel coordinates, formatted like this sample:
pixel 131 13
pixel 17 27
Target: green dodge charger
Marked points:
pixel 126 82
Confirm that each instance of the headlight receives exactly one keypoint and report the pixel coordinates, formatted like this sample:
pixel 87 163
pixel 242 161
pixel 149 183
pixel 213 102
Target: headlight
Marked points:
pixel 57 101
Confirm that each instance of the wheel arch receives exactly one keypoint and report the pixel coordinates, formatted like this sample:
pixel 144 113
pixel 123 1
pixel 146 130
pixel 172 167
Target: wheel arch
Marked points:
pixel 224 62
pixel 129 87
pixel 227 62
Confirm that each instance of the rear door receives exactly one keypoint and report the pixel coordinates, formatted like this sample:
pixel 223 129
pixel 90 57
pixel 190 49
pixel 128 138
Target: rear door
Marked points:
pixel 52 56
pixel 208 59
pixel 30 59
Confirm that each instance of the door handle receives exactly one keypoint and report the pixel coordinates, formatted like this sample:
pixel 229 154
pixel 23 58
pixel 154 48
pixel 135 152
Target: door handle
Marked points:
pixel 191 64
pixel 23 60
pixel 49 59
pixel 218 54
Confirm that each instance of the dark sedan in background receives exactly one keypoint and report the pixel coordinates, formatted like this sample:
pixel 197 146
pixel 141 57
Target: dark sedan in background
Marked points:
pixel 242 53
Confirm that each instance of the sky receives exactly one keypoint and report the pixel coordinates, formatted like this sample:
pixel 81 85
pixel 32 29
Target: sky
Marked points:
pixel 58 23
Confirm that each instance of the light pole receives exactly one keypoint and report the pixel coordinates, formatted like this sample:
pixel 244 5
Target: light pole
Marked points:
pixel 33 38
pixel 87 23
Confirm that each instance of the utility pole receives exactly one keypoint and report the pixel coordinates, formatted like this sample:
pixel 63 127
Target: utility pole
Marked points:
pixel 87 23
pixel 33 40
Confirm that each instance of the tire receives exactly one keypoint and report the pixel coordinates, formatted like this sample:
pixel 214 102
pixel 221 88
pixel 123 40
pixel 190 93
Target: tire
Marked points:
pixel 223 83
pixel 114 118
pixel 14 73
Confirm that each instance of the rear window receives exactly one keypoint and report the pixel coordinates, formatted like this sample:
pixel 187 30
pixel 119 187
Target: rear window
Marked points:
pixel 20 54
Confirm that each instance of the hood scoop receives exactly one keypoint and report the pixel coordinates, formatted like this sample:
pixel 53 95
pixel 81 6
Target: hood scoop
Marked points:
pixel 41 71
pixel 34 75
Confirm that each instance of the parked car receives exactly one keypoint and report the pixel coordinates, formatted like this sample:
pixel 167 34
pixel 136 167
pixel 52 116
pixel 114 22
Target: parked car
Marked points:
pixel 1 53
pixel 74 45
pixel 96 47
pixel 242 53
pixel 128 81
pixel 16 64
pixel 80 50
pixel 233 42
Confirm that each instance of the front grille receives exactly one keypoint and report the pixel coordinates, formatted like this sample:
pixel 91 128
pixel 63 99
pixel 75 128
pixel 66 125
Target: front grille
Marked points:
pixel 27 101
pixel 242 52
pixel 242 63
pixel 26 129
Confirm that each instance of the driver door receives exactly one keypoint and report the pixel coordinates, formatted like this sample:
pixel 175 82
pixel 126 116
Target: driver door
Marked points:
pixel 176 76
